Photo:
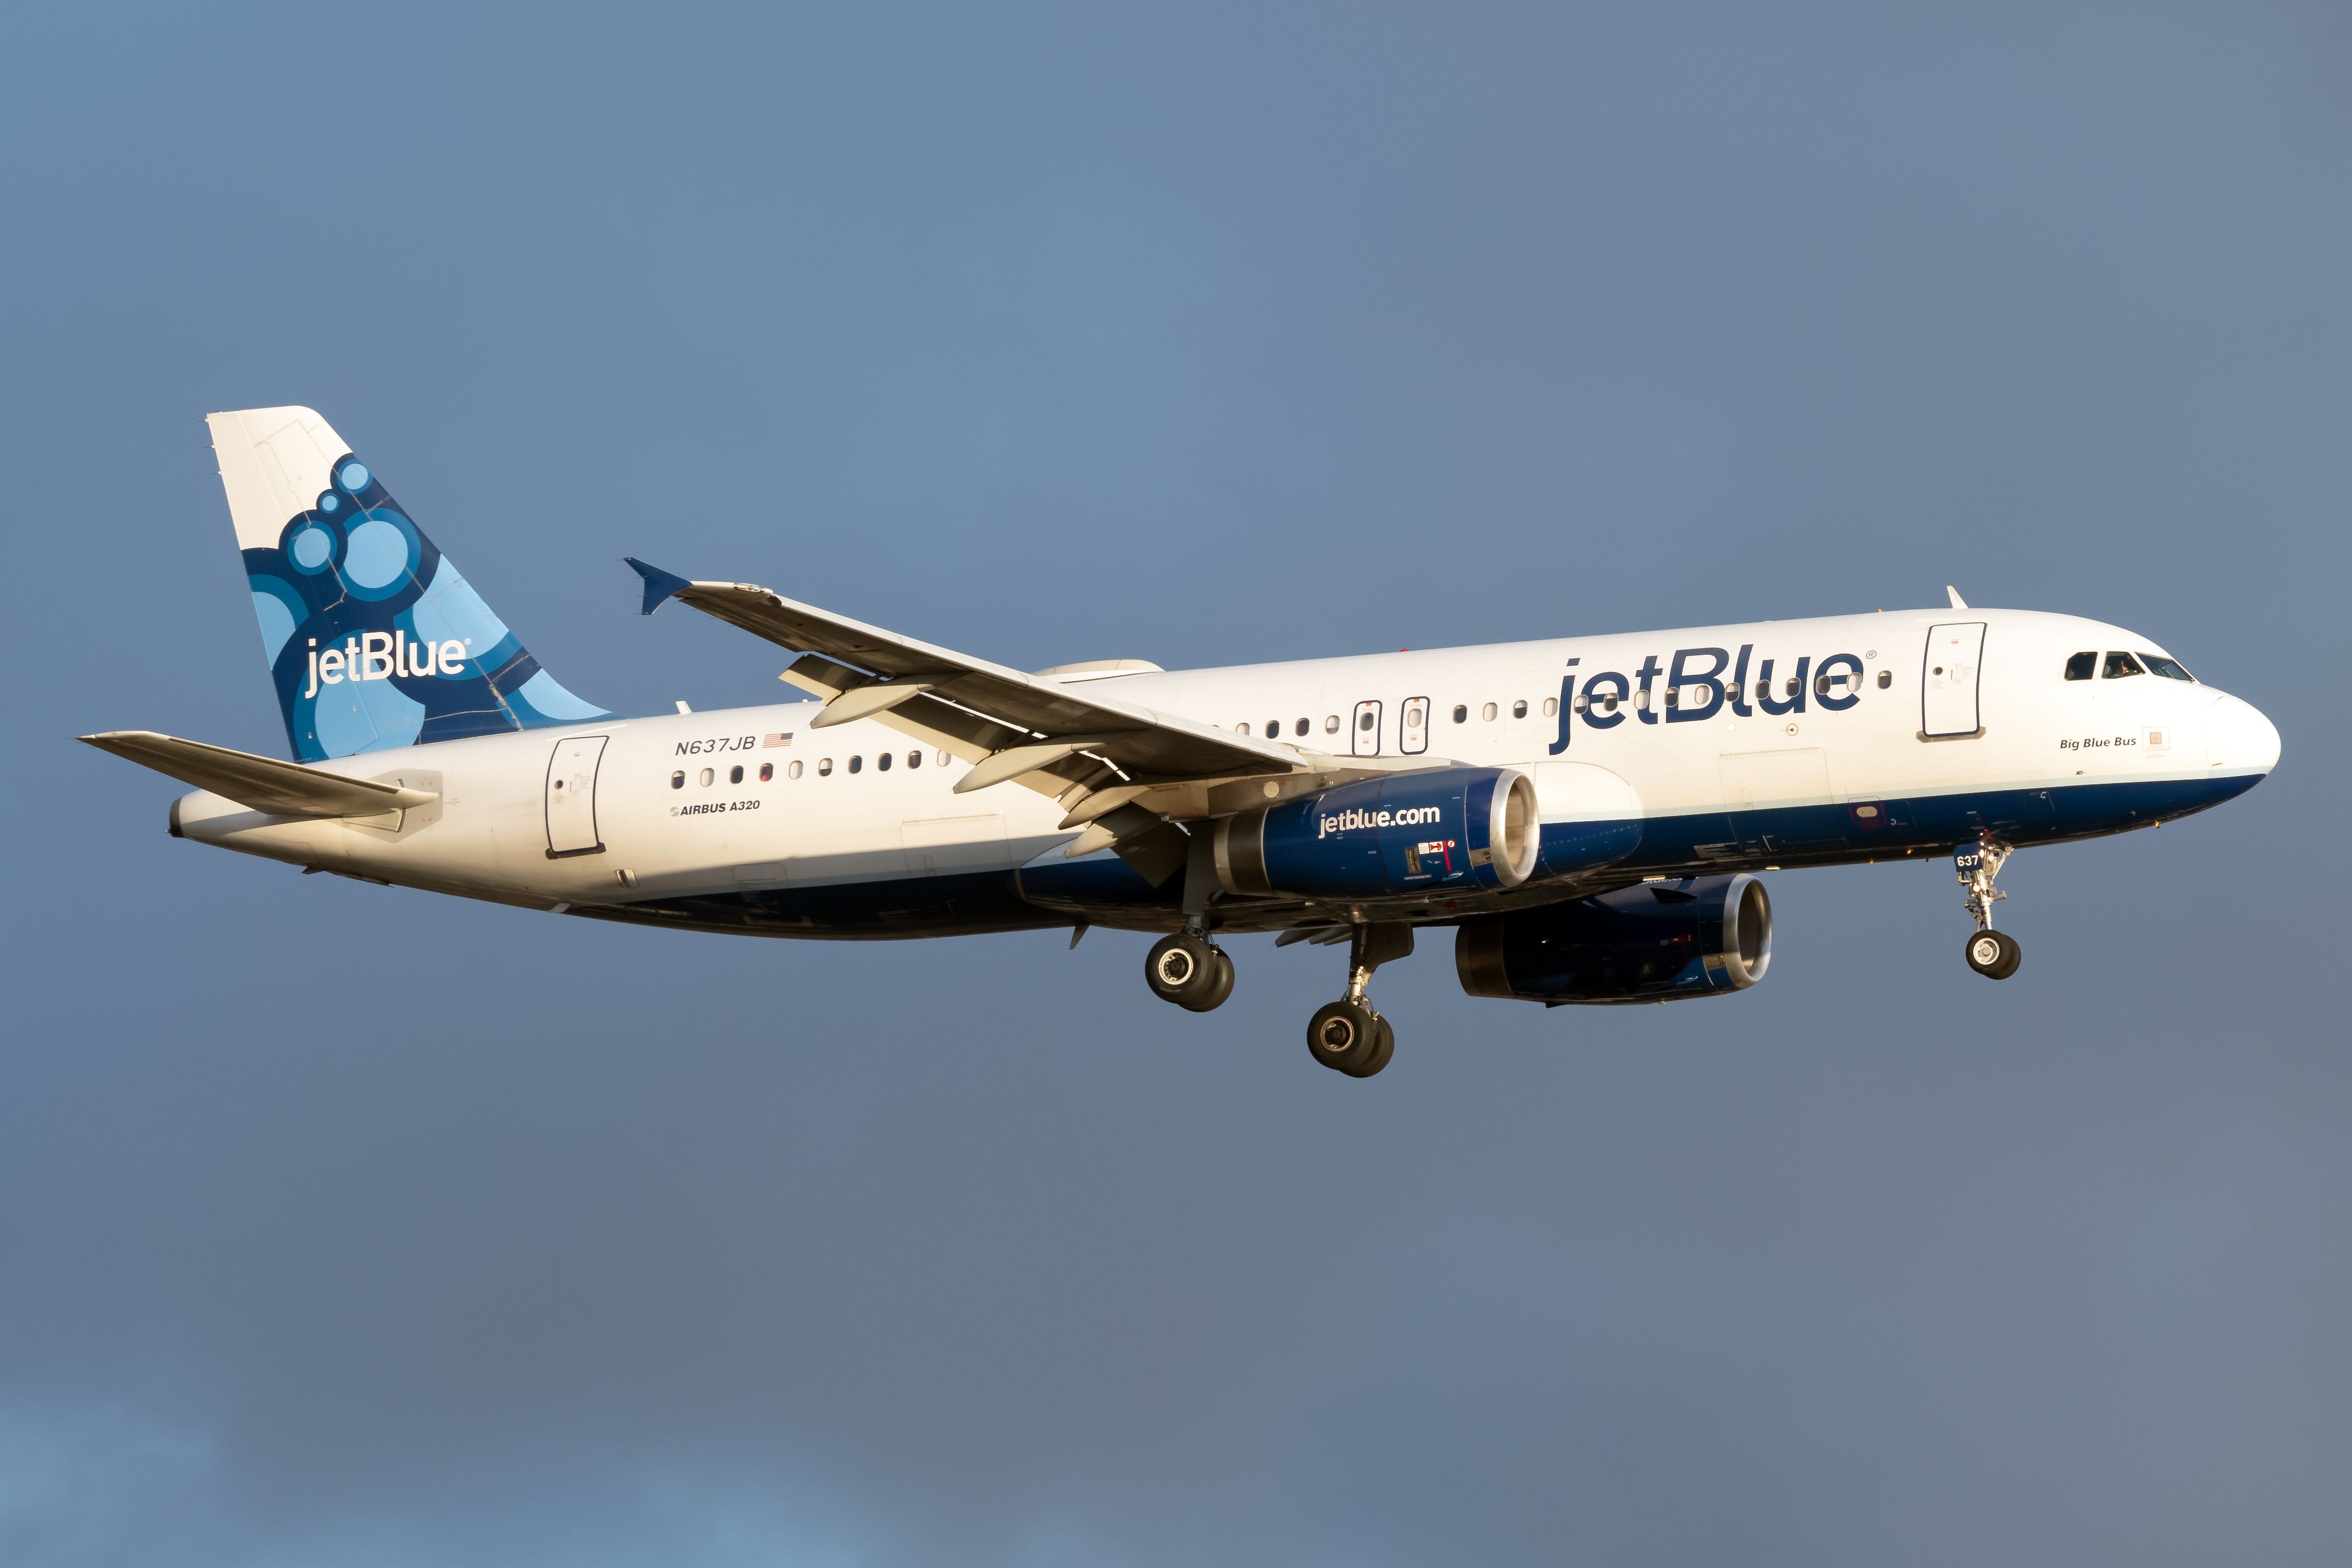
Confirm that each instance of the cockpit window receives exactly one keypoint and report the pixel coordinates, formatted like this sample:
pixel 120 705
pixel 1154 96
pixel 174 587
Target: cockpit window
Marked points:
pixel 2120 665
pixel 2082 666
pixel 2169 668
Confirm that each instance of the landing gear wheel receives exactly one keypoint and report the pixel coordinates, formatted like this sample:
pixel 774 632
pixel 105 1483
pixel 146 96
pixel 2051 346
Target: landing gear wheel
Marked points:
pixel 1381 1052
pixel 1346 1036
pixel 1220 988
pixel 1183 970
pixel 1995 954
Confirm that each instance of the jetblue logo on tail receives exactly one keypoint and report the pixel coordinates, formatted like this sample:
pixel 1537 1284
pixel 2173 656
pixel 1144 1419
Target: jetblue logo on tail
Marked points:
pixel 375 639
pixel 379 656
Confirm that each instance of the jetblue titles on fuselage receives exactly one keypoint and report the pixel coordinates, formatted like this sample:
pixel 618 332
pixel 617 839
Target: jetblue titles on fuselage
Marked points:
pixel 1692 693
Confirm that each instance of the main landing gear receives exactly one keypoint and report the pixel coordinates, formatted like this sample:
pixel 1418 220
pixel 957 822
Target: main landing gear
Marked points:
pixel 1190 970
pixel 1992 954
pixel 1348 1036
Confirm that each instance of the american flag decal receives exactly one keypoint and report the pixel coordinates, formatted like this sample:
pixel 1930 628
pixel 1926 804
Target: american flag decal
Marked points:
pixel 768 740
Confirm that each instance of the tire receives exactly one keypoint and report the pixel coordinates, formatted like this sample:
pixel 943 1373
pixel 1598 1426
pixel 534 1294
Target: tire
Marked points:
pixel 1344 1036
pixel 1219 989
pixel 1381 1052
pixel 1182 968
pixel 2015 956
pixel 1995 954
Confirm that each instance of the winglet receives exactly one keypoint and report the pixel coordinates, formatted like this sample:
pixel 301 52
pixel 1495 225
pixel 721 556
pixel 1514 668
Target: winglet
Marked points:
pixel 660 585
pixel 1957 602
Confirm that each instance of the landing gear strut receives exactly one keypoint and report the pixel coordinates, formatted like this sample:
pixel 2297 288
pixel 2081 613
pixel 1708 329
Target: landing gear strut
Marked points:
pixel 1190 970
pixel 1348 1035
pixel 1992 954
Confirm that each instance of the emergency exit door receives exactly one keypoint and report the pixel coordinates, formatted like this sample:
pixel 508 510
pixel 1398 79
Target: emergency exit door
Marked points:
pixel 1412 728
pixel 571 796
pixel 1948 676
pixel 1365 730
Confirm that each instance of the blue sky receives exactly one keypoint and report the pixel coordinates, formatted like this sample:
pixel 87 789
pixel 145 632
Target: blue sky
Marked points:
pixel 343 1225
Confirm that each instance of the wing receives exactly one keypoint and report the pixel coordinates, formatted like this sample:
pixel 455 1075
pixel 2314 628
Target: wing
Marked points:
pixel 1126 772
pixel 1011 725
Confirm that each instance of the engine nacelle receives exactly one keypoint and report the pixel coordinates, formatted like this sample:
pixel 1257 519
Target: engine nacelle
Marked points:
pixel 1655 943
pixel 1402 833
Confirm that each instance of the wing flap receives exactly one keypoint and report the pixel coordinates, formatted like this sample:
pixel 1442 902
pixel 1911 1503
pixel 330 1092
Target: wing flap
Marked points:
pixel 984 708
pixel 264 783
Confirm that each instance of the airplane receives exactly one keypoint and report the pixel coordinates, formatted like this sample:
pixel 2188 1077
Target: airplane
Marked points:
pixel 1589 814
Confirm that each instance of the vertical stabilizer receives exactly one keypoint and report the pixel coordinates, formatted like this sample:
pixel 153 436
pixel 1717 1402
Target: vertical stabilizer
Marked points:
pixel 373 638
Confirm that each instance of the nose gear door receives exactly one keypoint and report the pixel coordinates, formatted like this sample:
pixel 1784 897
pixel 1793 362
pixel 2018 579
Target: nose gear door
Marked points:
pixel 1947 676
pixel 1365 738
pixel 571 796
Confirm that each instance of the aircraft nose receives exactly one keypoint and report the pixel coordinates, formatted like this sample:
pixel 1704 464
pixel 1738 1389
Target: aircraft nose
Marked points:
pixel 2239 737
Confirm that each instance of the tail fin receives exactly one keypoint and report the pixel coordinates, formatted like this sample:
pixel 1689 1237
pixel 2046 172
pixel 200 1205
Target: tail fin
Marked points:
pixel 373 637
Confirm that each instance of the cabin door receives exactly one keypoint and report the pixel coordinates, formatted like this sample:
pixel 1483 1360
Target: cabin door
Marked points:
pixel 571 796
pixel 1364 732
pixel 1948 692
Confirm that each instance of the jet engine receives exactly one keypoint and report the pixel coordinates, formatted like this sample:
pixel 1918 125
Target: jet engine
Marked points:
pixel 1450 828
pixel 1659 942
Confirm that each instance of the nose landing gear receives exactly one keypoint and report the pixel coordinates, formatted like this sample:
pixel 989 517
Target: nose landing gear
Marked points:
pixel 1348 1036
pixel 1992 954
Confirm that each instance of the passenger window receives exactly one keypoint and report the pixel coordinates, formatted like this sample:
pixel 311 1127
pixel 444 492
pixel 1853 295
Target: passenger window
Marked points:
pixel 2118 665
pixel 767 771
pixel 914 758
pixel 1460 713
pixel 1885 679
pixel 1368 719
pixel 678 779
pixel 793 771
pixel 1792 687
pixel 857 765
pixel 2170 670
pixel 824 767
pixel 943 759
pixel 1241 729
pixel 1330 724
pixel 1304 726
pixel 1520 708
pixel 735 774
pixel 1581 704
pixel 882 763
pixel 1488 711
pixel 1272 729
pixel 2082 666
pixel 1551 706
pixel 705 778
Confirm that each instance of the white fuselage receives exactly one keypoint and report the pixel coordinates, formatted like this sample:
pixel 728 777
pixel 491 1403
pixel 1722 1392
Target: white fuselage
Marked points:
pixel 685 828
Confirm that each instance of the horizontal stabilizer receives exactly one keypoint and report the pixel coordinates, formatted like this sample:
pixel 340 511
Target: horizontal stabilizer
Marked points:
pixel 264 783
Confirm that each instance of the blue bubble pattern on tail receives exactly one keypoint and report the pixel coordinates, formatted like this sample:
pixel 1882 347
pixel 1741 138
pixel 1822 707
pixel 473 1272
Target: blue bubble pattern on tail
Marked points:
pixel 375 640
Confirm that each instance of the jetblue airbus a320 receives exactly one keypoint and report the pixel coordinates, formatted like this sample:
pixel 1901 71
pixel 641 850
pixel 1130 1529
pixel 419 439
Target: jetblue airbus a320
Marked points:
pixel 1588 814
